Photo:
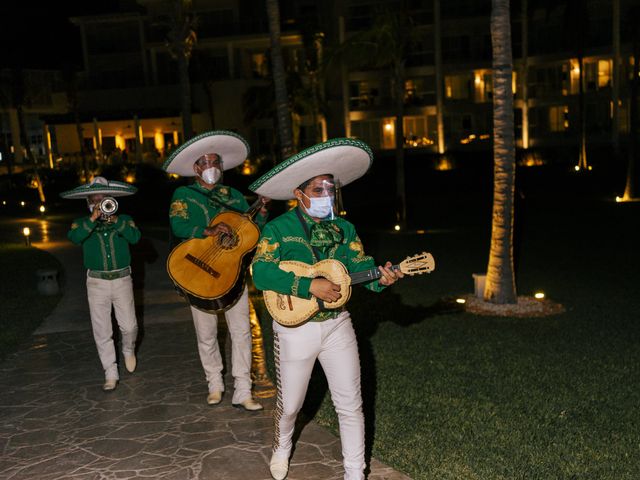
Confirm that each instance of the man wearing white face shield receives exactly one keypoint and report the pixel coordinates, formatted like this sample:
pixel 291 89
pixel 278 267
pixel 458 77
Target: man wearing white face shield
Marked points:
pixel 307 234
pixel 192 209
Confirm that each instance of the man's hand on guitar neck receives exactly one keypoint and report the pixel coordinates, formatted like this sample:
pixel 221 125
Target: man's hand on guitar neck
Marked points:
pixel 264 209
pixel 324 290
pixel 389 276
pixel 217 229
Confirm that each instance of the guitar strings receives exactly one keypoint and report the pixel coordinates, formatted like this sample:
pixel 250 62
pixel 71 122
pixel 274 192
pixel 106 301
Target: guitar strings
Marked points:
pixel 213 252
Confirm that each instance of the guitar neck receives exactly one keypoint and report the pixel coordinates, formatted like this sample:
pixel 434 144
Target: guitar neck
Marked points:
pixel 368 275
pixel 254 208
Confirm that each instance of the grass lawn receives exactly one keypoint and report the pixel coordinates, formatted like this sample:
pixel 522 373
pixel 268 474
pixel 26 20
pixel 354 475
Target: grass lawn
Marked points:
pixel 22 308
pixel 450 395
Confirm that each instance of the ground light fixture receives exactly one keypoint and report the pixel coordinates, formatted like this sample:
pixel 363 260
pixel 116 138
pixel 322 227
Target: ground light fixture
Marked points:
pixel 42 209
pixel 539 295
pixel 460 300
pixel 26 231
pixel 397 228
pixel 22 204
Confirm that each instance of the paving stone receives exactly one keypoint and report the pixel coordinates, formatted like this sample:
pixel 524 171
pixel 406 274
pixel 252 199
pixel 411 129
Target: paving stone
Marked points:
pixel 56 423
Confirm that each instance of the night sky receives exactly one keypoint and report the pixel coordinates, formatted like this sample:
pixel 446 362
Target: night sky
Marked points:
pixel 38 34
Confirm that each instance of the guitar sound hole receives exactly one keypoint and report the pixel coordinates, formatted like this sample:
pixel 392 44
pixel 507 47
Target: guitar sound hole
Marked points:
pixel 228 240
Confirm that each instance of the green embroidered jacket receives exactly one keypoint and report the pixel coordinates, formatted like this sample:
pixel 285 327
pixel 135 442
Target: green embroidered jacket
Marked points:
pixel 193 208
pixel 105 246
pixel 285 239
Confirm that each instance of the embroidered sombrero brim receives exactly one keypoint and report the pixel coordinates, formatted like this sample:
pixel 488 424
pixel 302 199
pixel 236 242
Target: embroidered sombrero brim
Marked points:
pixel 110 188
pixel 346 159
pixel 232 148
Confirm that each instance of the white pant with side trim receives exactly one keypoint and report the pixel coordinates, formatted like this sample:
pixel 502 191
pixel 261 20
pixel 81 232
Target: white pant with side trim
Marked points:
pixel 102 295
pixel 333 343
pixel 206 325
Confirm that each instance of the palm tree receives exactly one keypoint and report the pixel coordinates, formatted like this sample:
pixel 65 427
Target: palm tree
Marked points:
pixel 500 284
pixel 279 81
pixel 576 23
pixel 630 184
pixel 181 40
pixel 386 45
pixel 437 42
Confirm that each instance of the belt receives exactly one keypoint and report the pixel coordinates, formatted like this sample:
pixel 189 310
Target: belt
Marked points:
pixel 109 275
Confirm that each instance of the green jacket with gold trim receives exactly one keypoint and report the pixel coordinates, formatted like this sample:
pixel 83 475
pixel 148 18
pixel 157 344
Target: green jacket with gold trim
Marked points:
pixel 193 208
pixel 105 246
pixel 284 238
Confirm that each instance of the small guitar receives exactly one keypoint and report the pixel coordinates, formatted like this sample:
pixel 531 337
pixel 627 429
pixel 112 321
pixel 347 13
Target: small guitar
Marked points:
pixel 211 271
pixel 291 311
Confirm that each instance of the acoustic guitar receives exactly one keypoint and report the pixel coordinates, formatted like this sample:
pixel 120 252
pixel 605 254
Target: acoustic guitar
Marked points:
pixel 291 311
pixel 211 271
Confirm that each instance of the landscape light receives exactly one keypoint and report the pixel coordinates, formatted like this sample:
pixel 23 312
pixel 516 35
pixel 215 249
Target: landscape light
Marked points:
pixel 22 204
pixel 42 208
pixel 397 228
pixel 460 300
pixel 26 231
pixel 618 199
pixel 539 295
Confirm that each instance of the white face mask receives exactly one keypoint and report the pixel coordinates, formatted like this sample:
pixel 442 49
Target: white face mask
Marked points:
pixel 211 175
pixel 321 207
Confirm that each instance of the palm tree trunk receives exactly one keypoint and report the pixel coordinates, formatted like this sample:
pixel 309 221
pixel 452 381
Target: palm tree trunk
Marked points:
pixel 83 157
pixel 439 80
pixel 279 79
pixel 615 90
pixel 629 188
pixel 500 284
pixel 401 196
pixel 525 75
pixel 185 97
pixel 582 156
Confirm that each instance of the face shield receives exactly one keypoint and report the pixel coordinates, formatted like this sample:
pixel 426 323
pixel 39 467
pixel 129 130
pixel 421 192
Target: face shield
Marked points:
pixel 322 194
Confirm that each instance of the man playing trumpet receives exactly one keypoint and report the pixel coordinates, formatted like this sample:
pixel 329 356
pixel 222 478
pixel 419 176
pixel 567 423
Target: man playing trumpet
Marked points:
pixel 105 239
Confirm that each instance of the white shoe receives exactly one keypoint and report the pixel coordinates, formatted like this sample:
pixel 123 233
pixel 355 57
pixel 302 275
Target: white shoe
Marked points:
pixel 214 398
pixel 110 384
pixel 249 404
pixel 279 467
pixel 130 363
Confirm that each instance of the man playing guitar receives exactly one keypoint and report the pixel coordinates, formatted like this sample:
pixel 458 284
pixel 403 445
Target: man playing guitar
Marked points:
pixel 192 209
pixel 309 233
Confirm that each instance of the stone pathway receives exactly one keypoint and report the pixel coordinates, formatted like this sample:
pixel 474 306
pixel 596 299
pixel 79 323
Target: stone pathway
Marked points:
pixel 56 423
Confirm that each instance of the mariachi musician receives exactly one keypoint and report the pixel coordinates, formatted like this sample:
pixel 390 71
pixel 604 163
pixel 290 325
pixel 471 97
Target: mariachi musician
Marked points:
pixel 309 233
pixel 193 207
pixel 105 237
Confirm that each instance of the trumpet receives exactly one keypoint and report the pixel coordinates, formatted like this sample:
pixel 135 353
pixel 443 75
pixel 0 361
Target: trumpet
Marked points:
pixel 108 206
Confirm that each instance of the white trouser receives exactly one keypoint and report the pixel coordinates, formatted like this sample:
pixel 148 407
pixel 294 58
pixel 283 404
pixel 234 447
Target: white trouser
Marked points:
pixel 102 294
pixel 333 343
pixel 207 333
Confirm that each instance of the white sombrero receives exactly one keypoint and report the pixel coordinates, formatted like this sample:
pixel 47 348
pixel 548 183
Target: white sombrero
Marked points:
pixel 101 185
pixel 346 159
pixel 231 147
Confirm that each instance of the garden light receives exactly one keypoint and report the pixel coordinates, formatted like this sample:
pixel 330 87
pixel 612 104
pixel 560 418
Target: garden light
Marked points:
pixel 22 204
pixel 397 228
pixel 42 209
pixel 460 300
pixel 26 231
pixel 539 295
